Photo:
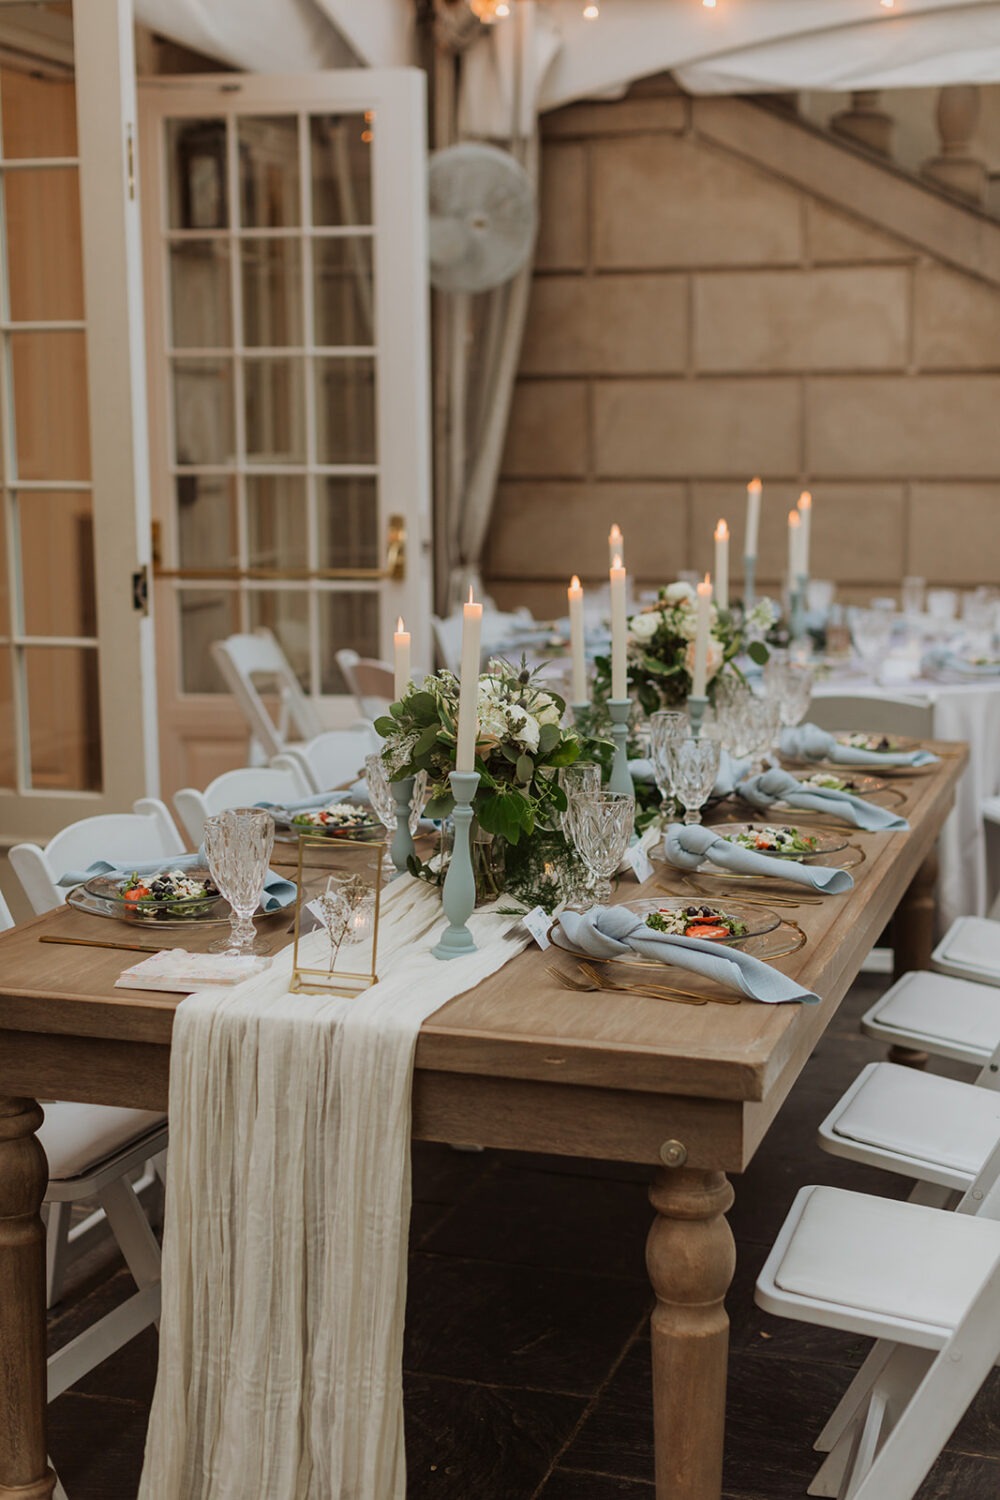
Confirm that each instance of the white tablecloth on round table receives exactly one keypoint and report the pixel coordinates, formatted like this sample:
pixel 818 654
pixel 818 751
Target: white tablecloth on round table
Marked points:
pixel 962 711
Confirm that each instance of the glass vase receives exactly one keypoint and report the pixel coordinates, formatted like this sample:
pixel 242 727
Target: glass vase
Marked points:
pixel 489 855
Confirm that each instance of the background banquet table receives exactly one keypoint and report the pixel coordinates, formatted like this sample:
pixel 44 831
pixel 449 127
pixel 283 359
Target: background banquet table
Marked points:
pixel 516 1062
pixel 962 711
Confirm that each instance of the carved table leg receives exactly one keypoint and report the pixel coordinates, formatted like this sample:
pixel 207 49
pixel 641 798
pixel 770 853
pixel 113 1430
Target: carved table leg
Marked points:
pixel 913 939
pixel 24 1470
pixel 691 1258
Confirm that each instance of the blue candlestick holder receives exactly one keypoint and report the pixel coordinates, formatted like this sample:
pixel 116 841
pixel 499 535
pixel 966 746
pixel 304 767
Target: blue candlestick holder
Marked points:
pixel 459 895
pixel 621 777
pixel 749 583
pixel 402 840
pixel 580 712
pixel 696 707
pixel 799 607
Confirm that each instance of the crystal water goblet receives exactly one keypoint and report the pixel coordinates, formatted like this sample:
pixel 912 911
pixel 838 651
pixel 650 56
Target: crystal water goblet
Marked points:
pixel 238 844
pixel 602 824
pixel 871 632
pixel 579 780
pixel 696 766
pixel 666 728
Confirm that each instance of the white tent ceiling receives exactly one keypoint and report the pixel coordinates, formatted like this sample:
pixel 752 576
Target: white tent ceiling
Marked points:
pixel 739 46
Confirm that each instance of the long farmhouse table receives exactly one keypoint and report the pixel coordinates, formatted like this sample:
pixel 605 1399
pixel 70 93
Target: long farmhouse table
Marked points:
pixel 517 1062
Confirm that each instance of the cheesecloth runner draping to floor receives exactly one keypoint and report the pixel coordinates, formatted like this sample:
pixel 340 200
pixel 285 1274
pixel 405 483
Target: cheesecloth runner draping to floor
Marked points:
pixel 288 1210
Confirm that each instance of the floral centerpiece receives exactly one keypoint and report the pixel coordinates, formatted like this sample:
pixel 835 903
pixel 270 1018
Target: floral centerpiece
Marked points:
pixel 520 745
pixel 661 648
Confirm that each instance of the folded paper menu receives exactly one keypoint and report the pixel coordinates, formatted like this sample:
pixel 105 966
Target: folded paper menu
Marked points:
pixel 177 970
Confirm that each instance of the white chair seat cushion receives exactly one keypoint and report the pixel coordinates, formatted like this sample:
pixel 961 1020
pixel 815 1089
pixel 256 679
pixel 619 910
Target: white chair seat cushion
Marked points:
pixel 943 1007
pixel 900 1260
pixel 78 1137
pixel 970 947
pixel 920 1114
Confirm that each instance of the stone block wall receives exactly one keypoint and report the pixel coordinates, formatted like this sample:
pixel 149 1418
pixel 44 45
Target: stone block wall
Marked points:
pixel 717 296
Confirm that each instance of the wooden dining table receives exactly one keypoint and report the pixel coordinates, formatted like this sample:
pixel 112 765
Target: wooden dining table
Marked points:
pixel 517 1062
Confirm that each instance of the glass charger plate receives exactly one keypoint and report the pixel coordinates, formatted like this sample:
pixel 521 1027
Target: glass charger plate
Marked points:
pixel 900 746
pixel 785 937
pixel 759 922
pixel 98 906
pixel 824 842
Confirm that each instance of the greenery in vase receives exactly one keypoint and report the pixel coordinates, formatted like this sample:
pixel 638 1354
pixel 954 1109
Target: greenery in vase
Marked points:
pixel 520 746
pixel 661 648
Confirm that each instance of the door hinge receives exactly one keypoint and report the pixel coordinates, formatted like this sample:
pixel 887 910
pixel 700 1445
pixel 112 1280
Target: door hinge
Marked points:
pixel 140 590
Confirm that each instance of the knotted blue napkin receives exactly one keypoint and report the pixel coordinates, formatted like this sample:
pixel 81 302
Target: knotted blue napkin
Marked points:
pixel 941 661
pixel 277 894
pixel 809 742
pixel 611 931
pixel 778 786
pixel 687 845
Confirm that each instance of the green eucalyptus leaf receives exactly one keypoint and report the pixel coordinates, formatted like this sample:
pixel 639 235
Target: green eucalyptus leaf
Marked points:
pixel 525 769
pixel 385 726
pixel 548 738
pixel 757 651
pixel 421 705
pixel 428 739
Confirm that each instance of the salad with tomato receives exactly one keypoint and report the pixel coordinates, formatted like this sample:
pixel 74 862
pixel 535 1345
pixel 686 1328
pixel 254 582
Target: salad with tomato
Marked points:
pixel 696 922
pixel 170 893
pixel 881 744
pixel 766 840
pixel 343 818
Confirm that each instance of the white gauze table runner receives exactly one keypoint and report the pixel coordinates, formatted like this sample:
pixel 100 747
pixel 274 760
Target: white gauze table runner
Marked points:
pixel 288 1211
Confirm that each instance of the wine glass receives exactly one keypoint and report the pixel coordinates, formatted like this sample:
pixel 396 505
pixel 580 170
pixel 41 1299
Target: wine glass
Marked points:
pixel 665 729
pixel 238 844
pixel 602 827
pixel 381 795
pixel 871 632
pixel 579 780
pixel 696 766
pixel 789 685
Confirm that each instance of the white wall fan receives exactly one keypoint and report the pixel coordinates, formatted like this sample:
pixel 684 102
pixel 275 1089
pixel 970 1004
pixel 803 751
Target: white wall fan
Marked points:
pixel 482 217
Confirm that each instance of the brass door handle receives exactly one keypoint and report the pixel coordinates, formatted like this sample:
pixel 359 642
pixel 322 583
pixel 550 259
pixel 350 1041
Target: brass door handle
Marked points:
pixel 393 569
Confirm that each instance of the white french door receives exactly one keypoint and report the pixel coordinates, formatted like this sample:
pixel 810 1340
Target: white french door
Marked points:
pixel 285 244
pixel 77 712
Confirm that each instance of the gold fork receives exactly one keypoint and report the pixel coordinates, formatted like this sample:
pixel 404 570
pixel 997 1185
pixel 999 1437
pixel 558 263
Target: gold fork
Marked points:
pixel 653 992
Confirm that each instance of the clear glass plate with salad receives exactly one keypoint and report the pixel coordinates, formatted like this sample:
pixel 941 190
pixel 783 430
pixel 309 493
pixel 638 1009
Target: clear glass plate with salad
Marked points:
pixel 168 896
pixel 782 840
pixel 854 783
pixel 344 820
pixel 730 922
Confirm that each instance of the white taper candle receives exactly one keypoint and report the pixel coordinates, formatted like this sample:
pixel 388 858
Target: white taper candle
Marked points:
pixel 703 624
pixel 468 692
pixel 616 546
pixel 805 507
pixel 576 641
pixel 619 631
pixel 754 491
pixel 722 565
pixel 401 649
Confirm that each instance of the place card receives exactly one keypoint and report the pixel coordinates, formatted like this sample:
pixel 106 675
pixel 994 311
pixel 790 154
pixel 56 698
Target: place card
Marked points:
pixel 538 923
pixel 638 861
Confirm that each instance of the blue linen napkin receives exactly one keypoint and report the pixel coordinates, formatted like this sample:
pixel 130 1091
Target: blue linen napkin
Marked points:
pixel 941 660
pixel 277 894
pixel 609 931
pixel 778 786
pixel 809 742
pixel 687 845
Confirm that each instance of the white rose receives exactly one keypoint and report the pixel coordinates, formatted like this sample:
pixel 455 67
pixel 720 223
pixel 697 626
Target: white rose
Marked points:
pixel 678 593
pixel 645 626
pixel 686 624
pixel 546 710
pixel 713 659
pixel 523 728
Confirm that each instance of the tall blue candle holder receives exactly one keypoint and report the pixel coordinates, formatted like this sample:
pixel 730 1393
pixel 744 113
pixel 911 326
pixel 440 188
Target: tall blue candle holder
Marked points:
pixel 459 895
pixel 749 584
pixel 402 840
pixel 799 607
pixel 621 777
pixel 696 707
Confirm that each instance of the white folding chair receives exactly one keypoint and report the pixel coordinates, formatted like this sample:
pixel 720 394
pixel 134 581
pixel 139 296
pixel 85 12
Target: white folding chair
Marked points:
pixel 373 683
pixel 117 837
pixel 990 811
pixel 970 949
pixel 332 759
pixel 935 1013
pixel 911 717
pixel 241 788
pixel 248 662
pixel 925 1284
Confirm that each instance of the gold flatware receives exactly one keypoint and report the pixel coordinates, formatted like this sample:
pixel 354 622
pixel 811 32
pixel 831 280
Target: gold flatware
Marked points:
pixel 605 983
pixel 765 898
pixel 652 992
pixel 71 942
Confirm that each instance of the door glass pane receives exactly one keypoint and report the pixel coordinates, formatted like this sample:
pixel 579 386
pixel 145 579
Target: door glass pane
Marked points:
pixel 286 613
pixel 57 563
pixel 275 398
pixel 203 411
pixel 8 767
pixel 269 172
pixel 39 113
pixel 344 295
pixel 63 718
pixel 347 523
pixel 50 400
pixel 206 521
pixel 44 256
pixel 272 292
pixel 206 615
pixel 345 410
pixel 340 153
pixel 200 309
pixel 277 530
pixel 345 619
pixel 196 172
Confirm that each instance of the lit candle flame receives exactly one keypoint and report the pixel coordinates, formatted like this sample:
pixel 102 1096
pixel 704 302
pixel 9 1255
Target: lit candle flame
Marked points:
pixel 400 627
pixel 805 500
pixel 574 582
pixel 722 532
pixel 794 519
pixel 756 485
pixel 616 561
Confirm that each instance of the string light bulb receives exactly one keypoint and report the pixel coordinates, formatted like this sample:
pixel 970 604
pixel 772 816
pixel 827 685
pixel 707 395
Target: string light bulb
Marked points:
pixel 709 4
pixel 503 9
pixel 887 4
pixel 591 11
